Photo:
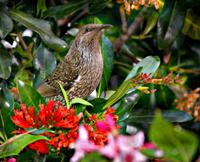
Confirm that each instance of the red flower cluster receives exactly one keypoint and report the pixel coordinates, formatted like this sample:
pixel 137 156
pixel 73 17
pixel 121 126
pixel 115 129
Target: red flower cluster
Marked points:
pixel 64 124
pixel 49 116
pixel 98 129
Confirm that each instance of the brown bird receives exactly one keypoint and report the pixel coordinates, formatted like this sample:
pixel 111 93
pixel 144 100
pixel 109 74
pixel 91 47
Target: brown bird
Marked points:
pixel 81 70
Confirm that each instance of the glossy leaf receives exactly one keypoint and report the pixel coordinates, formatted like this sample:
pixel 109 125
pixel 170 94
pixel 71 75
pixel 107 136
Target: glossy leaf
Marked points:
pixel 107 54
pixel 6 108
pixel 42 27
pixel 6 24
pixel 30 96
pixel 119 93
pixel 148 65
pixel 61 11
pixel 191 26
pixel 65 95
pixel 44 62
pixel 17 143
pixel 177 144
pixel 170 115
pixel 151 22
pixel 5 63
pixel 170 23
pixel 80 101
pixel 98 104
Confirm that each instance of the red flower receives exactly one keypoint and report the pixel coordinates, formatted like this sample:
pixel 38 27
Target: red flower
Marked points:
pixel 40 146
pixel 49 116
pixel 19 120
pixel 64 125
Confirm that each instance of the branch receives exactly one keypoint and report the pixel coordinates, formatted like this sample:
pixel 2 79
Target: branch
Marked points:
pixel 132 28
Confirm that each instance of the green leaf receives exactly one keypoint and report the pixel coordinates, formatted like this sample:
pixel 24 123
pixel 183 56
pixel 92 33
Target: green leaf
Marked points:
pixel 107 54
pixel 148 65
pixel 119 93
pixel 147 118
pixel 80 101
pixel 41 27
pixel 177 144
pixel 5 63
pixel 30 96
pixel 25 75
pixel 65 95
pixel 17 143
pixel 98 104
pixel 170 22
pixel 94 156
pixel 6 24
pixel 191 26
pixel 41 7
pixel 61 11
pixel 44 62
pixel 151 22
pixel 6 108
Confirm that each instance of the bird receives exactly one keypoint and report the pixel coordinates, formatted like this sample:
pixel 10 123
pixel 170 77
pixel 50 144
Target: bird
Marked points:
pixel 81 69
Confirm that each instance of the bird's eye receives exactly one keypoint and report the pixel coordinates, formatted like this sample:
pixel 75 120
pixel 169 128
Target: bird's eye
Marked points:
pixel 88 30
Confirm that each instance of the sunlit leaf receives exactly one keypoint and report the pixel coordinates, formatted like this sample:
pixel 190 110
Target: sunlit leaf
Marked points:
pixel 119 93
pixel 177 144
pixel 148 65
pixel 17 143
pixel 151 22
pixel 42 27
pixel 80 101
pixel 65 95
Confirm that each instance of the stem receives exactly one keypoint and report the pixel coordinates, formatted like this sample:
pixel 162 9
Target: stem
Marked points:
pixel 132 28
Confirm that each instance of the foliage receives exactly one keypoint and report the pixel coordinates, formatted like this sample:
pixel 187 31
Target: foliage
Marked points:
pixel 151 61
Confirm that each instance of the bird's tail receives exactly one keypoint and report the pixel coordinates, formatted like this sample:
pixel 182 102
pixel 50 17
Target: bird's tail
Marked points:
pixel 45 90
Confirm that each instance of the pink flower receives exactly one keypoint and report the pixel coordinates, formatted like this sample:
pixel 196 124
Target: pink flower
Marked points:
pixel 11 160
pixel 119 148
pixel 124 148
pixel 82 145
pixel 106 125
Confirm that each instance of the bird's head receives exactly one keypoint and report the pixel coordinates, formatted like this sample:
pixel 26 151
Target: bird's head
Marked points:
pixel 91 32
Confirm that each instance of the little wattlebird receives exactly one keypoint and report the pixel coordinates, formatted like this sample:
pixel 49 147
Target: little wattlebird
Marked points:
pixel 81 70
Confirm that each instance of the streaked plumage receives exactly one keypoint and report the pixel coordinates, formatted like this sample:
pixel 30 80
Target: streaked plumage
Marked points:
pixel 81 70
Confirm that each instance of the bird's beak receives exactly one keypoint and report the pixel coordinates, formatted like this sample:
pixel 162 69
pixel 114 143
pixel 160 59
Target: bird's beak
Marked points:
pixel 105 26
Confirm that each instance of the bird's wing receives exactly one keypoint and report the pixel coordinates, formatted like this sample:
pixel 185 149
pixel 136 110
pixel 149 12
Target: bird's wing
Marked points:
pixel 65 73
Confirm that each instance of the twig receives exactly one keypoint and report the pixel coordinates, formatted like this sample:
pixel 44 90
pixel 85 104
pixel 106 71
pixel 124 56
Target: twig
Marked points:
pixel 123 20
pixel 24 45
pixel 131 29
pixel 21 40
